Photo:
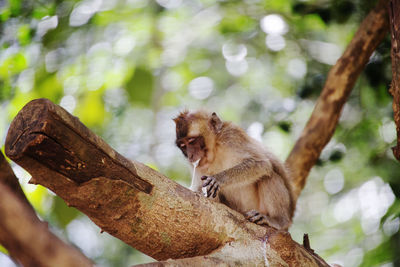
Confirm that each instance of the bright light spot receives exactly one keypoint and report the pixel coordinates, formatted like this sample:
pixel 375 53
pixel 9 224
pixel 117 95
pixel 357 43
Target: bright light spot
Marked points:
pixel 164 154
pixel 24 177
pixel 317 202
pixel 327 53
pixel 71 85
pixel 372 241
pixel 168 4
pixel 124 45
pixel 137 3
pixel 201 87
pixel 391 226
pixel 172 56
pixel 375 197
pixel 369 226
pixel 297 68
pixel 25 80
pixel 275 42
pixel 5 261
pixel 94 80
pixel 388 132
pixel 234 52
pixel 354 257
pixel 52 58
pixel 83 11
pixel 346 207
pixel 289 104
pixel 237 68
pixel 255 130
pixel 46 24
pixel 115 97
pixel 171 81
pixel 84 235
pixel 334 181
pixel 276 142
pixel 273 24
pixel 68 102
pixel 351 116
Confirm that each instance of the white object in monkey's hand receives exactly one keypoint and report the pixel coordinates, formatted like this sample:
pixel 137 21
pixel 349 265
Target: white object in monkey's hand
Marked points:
pixel 204 191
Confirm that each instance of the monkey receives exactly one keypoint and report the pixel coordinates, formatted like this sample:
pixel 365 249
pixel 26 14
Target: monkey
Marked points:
pixel 235 169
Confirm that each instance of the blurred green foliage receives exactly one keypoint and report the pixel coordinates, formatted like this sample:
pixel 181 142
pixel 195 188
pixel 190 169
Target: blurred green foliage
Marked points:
pixel 126 67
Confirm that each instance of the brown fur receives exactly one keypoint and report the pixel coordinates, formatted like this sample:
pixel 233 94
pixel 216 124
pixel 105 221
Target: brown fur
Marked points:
pixel 249 176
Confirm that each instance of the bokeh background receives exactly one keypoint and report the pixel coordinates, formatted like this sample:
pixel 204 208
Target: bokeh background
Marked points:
pixel 127 67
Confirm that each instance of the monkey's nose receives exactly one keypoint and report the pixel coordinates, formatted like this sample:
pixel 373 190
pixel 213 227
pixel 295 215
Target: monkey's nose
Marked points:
pixel 192 157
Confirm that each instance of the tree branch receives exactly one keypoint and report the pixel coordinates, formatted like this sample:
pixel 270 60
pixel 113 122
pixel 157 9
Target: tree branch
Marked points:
pixel 394 17
pixel 27 239
pixel 341 79
pixel 8 178
pixel 133 202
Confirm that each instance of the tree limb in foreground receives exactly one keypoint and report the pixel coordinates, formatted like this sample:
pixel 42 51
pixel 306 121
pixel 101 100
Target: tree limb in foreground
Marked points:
pixel 135 203
pixel 341 79
pixel 27 239
pixel 8 178
pixel 394 17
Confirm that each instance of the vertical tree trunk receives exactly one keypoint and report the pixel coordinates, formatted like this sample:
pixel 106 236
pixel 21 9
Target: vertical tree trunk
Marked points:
pixel 394 15
pixel 341 79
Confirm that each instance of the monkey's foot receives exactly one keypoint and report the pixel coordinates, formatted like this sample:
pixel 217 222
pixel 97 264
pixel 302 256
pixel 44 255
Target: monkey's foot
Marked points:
pixel 256 217
pixel 210 186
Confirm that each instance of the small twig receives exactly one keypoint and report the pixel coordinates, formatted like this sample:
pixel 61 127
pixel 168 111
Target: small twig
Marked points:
pixel 306 243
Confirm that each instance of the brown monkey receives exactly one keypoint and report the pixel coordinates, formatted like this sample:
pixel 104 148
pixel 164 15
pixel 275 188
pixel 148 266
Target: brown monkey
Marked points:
pixel 235 169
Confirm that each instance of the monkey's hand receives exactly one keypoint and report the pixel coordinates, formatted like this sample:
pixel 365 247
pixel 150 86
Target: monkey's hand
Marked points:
pixel 210 186
pixel 257 218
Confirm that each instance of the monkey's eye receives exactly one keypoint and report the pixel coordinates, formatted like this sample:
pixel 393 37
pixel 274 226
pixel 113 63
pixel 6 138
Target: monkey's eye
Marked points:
pixel 182 145
pixel 192 140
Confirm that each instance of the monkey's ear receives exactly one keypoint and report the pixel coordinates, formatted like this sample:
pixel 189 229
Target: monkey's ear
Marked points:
pixel 215 122
pixel 181 117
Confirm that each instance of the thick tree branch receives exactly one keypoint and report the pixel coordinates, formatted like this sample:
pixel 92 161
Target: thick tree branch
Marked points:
pixel 341 79
pixel 28 240
pixel 135 203
pixel 394 16
pixel 8 178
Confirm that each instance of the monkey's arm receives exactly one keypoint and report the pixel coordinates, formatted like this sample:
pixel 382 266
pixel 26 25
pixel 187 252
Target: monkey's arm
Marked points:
pixel 247 172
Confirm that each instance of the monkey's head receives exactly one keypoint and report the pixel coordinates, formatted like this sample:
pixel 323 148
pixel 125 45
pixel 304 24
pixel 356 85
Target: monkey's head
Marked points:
pixel 196 134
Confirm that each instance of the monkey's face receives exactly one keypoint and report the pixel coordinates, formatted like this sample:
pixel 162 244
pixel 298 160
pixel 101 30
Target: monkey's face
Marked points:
pixel 195 135
pixel 194 148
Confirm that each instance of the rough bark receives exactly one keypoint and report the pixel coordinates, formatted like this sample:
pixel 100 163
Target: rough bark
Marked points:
pixel 134 203
pixel 341 79
pixel 8 178
pixel 394 17
pixel 28 240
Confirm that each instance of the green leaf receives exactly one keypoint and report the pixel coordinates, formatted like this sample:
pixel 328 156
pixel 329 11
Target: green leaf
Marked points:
pixel 236 23
pixel 91 109
pixel 48 86
pixel 140 87
pixel 37 197
pixel 24 34
pixel 62 213
pixel 15 7
pixel 12 65
pixel 3 250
